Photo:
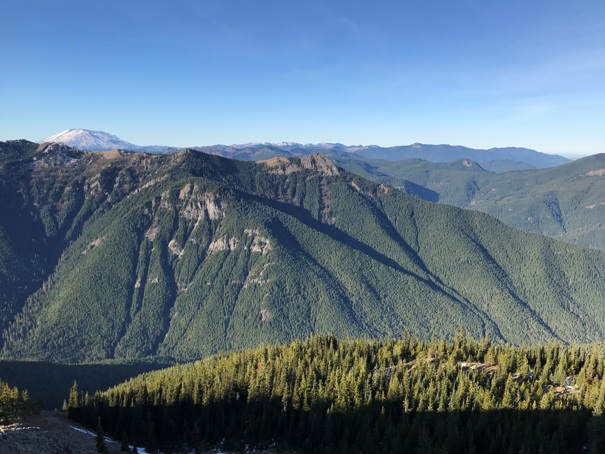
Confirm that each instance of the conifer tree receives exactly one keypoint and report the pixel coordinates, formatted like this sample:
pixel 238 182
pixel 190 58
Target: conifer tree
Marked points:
pixel 74 396
pixel 124 447
pixel 100 436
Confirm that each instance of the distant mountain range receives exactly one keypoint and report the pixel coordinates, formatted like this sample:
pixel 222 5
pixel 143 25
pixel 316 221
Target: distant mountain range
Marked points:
pixel 566 202
pixel 494 159
pixel 132 255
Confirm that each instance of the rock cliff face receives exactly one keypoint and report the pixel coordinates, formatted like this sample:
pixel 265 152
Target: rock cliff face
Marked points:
pixel 316 162
pixel 320 164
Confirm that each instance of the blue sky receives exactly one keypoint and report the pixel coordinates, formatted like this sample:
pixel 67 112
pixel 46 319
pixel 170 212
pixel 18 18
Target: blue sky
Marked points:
pixel 478 73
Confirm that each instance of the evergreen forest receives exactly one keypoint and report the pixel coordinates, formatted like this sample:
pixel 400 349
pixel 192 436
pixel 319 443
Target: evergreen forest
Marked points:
pixel 563 202
pixel 368 396
pixel 15 404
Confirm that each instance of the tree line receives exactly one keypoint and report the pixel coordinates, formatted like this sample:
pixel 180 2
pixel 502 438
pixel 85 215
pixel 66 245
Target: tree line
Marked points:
pixel 368 396
pixel 15 404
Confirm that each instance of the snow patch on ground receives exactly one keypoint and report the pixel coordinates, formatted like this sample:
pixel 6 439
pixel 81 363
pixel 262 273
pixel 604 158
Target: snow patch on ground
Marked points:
pixel 107 439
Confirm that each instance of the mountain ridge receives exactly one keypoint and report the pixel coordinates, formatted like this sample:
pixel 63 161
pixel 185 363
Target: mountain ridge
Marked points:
pixel 139 255
pixel 497 159
pixel 563 202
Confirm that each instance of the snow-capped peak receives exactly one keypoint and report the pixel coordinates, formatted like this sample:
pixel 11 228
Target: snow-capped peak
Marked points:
pixel 85 139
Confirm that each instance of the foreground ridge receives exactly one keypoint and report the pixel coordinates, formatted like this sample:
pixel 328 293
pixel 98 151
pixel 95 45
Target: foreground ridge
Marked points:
pixel 369 396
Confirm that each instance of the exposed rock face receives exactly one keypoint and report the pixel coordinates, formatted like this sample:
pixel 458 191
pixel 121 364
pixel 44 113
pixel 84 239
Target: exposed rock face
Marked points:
pixel 56 155
pixel 260 243
pixel 197 204
pixel 223 244
pixel 265 315
pixel 317 162
pixel 173 246
pixel 595 173
pixel 321 164
pixel 152 232
pixel 384 188
pixel 281 166
pixel 92 245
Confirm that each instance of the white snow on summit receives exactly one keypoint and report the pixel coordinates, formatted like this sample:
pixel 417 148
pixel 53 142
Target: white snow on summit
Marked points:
pixel 85 139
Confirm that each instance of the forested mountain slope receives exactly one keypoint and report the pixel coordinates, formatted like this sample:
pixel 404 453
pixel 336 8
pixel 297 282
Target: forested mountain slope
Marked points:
pixel 129 255
pixel 393 396
pixel 565 202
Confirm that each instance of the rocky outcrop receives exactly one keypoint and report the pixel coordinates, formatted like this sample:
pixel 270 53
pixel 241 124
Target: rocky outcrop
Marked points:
pixel 317 162
pixel 320 164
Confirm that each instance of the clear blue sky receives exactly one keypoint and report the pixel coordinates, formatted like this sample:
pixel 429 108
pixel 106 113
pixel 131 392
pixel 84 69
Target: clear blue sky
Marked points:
pixel 478 73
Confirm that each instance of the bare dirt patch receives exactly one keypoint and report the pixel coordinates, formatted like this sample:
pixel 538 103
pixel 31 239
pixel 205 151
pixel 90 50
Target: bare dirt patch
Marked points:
pixel 53 433
pixel 48 433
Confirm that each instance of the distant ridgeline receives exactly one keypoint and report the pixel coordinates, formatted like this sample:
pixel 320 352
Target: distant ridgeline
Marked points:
pixel 564 202
pixel 393 396
pixel 122 255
